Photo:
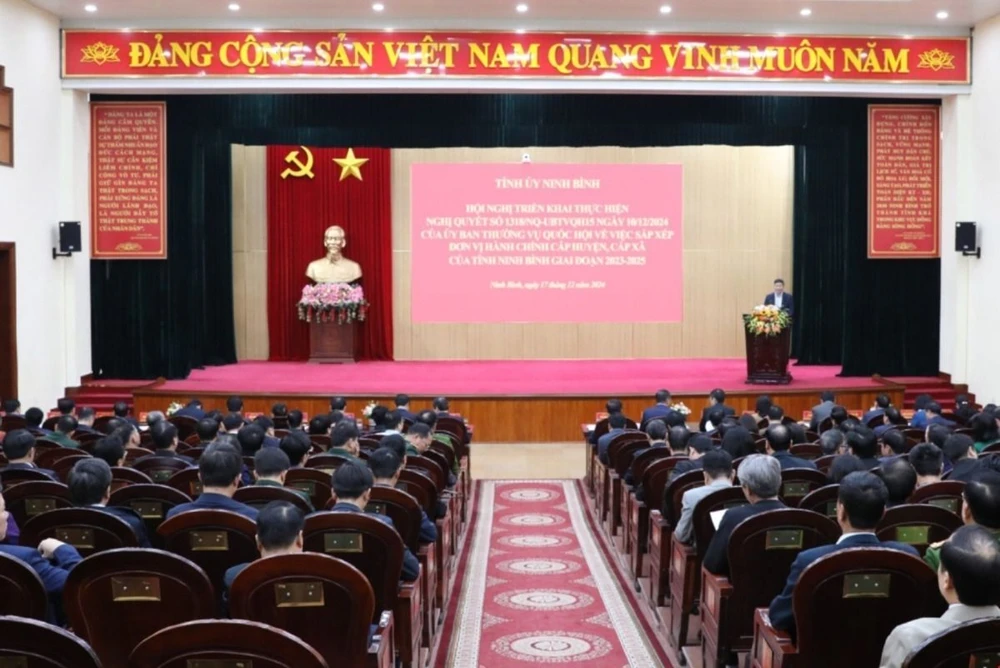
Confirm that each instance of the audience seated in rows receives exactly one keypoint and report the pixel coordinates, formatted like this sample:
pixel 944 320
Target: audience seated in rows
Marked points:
pixel 960 450
pixel 111 450
pixel 344 441
pixel 717 469
pixel 385 465
pixel 882 402
pixel 928 461
pixel 270 466
pixel 900 480
pixel 616 425
pixel 19 448
pixel 739 442
pixel 716 399
pixel 864 446
pixel 297 446
pixel 760 478
pixel 85 420
pixel 165 442
pixel 980 506
pixel 697 447
pixel 779 440
pixel 843 466
pixel 893 445
pixel 656 430
pixel 659 410
pixel 833 442
pixel 402 403
pixel 861 501
pixel 279 531
pixel 220 470
pixel 89 485
pixel 967 579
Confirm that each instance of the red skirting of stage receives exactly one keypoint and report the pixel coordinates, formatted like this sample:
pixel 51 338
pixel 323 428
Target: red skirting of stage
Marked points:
pixel 509 401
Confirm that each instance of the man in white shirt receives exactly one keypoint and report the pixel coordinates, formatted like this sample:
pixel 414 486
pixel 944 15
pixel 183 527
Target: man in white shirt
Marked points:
pixel 970 560
pixel 780 298
pixel 717 466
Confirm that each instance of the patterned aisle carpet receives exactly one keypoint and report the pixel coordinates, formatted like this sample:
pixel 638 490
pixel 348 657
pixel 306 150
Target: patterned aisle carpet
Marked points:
pixel 537 587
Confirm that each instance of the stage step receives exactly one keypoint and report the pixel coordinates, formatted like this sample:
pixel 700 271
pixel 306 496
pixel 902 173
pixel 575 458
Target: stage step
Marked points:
pixel 940 390
pixel 102 395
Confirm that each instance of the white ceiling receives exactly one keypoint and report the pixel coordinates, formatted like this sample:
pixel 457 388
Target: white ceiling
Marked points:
pixel 875 16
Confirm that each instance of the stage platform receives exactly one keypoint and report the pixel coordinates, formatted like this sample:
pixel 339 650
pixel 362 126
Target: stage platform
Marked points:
pixel 509 401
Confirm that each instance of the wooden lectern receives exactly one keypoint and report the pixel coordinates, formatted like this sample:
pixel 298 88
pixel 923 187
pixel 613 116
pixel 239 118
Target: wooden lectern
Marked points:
pixel 331 343
pixel 767 358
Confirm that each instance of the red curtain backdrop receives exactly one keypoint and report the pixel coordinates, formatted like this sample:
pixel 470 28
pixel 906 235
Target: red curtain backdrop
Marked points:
pixel 299 209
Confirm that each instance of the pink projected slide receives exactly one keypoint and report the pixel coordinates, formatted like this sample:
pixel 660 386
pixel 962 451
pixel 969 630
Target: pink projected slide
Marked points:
pixel 546 243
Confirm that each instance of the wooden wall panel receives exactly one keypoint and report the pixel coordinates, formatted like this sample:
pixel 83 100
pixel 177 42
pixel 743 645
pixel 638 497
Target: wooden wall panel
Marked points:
pixel 528 419
pixel 249 225
pixel 737 231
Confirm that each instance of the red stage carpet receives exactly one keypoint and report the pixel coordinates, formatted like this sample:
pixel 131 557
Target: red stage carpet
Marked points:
pixel 538 587
pixel 564 377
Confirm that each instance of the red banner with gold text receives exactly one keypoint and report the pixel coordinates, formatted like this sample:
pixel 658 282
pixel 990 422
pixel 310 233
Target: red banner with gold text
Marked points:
pixel 128 181
pixel 904 200
pixel 277 53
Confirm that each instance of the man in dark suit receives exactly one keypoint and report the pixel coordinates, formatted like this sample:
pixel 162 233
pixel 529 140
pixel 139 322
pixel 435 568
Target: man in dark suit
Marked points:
pixel 697 447
pixel 385 465
pixel 90 487
pixel 616 425
pixel 933 412
pixel 11 407
pixel 760 477
pixel 33 418
pixel 121 411
pixel 658 411
pixel 864 446
pixel 19 448
pixel 779 440
pixel 270 466
pixel 882 402
pixel 279 532
pixel 861 503
pixel 193 409
pixel 657 433
pixel 716 398
pixel 267 424
pixel 65 426
pixel 52 560
pixel 900 480
pixel 353 487
pixel 960 450
pixel 65 406
pixel 85 420
pixel 403 407
pixel 165 441
pixel 780 298
pixel 220 469
pixel 821 411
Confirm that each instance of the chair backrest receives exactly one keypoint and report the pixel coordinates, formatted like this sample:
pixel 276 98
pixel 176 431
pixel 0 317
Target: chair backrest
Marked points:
pixel 452 425
pixel 974 644
pixel 625 455
pixel 623 439
pixel 186 480
pixel 65 464
pixel 371 442
pixel 224 642
pixel 194 452
pixel 657 474
pixel 11 422
pixel 34 644
pixel 796 483
pixel 822 501
pixel 431 468
pixel 314 482
pixel 216 540
pixel 46 458
pixel 917 524
pixel 145 590
pixel 51 422
pixel 447 452
pixel 325 463
pixel 132 454
pixel 258 496
pixel 186 426
pixel 13 476
pixel 806 451
pixel 403 509
pixel 882 587
pixel 87 529
pixel 151 502
pixel 915 433
pixel 22 593
pixel 761 551
pixel 701 520
pixel 825 462
pixel 322 440
pixel 123 476
pixel 946 494
pixel 439 459
pixel 325 601
pixel 643 461
pixel 160 468
pixel 673 493
pixel 34 497
pixel 375 548
pixel 419 486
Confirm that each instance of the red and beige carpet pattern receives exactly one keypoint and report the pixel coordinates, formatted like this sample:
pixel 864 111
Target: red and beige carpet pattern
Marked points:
pixel 537 586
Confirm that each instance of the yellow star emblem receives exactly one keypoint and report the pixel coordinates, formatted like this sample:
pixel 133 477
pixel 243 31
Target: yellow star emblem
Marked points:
pixel 350 165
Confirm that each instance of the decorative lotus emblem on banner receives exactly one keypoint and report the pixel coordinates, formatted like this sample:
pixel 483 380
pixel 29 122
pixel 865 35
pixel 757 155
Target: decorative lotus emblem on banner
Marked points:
pixel 100 53
pixel 936 60
pixel 128 246
pixel 903 246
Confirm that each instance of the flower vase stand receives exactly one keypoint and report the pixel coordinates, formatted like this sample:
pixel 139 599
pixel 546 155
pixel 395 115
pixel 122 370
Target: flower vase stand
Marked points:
pixel 767 358
pixel 331 342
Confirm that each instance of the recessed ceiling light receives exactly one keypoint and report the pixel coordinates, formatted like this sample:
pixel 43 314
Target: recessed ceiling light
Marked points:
pixel 520 31
pixel 90 8
pixel 942 15
pixel 522 8
pixel 378 6
pixel 666 9
pixel 806 12
pixel 233 7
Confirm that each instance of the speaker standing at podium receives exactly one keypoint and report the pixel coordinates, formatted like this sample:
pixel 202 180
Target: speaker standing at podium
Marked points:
pixel 780 298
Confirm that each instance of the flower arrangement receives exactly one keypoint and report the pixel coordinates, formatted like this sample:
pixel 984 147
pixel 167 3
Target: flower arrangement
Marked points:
pixel 332 302
pixel 173 408
pixel 766 321
pixel 681 408
pixel 369 409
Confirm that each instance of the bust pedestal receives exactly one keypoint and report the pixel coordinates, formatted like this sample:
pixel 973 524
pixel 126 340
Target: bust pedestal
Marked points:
pixel 331 343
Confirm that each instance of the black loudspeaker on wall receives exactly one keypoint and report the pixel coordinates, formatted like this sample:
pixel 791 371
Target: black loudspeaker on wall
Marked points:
pixel 965 239
pixel 69 239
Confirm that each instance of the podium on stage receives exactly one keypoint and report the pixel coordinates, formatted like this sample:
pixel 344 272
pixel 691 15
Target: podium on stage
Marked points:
pixel 767 356
pixel 331 342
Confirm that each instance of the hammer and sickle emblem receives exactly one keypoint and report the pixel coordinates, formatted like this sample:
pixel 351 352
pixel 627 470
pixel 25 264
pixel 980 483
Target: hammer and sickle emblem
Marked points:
pixel 304 169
